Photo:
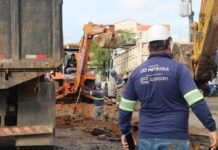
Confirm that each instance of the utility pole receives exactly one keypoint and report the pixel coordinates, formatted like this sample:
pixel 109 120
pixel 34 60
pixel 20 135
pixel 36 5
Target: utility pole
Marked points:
pixel 191 22
pixel 186 11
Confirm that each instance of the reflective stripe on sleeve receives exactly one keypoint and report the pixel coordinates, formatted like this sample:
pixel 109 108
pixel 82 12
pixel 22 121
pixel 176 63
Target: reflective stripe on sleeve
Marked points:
pixel 127 105
pixel 119 85
pixel 99 99
pixel 193 96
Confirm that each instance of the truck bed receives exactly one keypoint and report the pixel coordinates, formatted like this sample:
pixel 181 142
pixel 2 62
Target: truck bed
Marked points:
pixel 30 39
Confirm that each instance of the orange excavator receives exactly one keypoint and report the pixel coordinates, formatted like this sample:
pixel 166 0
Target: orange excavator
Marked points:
pixel 69 84
pixel 65 80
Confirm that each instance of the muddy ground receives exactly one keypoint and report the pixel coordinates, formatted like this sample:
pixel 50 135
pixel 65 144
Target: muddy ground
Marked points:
pixel 80 132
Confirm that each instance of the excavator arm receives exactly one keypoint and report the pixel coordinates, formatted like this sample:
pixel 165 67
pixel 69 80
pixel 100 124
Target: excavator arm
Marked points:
pixel 200 57
pixel 102 35
pixel 206 42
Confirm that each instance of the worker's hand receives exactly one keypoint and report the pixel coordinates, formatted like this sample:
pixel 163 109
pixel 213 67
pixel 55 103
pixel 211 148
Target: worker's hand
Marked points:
pixel 213 140
pixel 85 87
pixel 124 143
pixel 85 91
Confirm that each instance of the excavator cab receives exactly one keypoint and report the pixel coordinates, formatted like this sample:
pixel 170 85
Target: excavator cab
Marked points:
pixel 66 71
pixel 65 76
pixel 70 61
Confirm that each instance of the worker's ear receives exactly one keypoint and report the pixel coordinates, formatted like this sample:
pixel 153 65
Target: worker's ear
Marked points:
pixel 169 45
pixel 149 48
pixel 169 42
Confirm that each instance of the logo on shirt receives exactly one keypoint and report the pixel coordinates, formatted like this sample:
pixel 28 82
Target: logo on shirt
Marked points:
pixel 147 80
pixel 155 68
pixel 144 80
pixel 153 79
pixel 143 70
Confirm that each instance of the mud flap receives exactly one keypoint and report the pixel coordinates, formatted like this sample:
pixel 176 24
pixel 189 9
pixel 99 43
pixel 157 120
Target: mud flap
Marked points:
pixel 36 108
pixel 36 148
pixel 2 109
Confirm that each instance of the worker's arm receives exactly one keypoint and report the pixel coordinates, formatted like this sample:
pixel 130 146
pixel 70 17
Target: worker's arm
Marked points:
pixel 98 93
pixel 93 93
pixel 126 106
pixel 87 92
pixel 120 85
pixel 195 100
pixel 202 111
pixel 75 62
pixel 119 82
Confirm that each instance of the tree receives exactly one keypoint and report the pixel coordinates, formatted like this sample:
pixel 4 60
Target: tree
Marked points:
pixel 99 56
pixel 126 37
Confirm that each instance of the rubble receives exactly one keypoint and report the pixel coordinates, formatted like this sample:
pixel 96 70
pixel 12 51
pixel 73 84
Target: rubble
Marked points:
pixel 79 132
pixel 80 129
pixel 103 137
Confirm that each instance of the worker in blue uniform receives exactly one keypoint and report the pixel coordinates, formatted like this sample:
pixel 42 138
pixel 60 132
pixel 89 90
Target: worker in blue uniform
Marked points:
pixel 71 64
pixel 166 91
pixel 119 86
pixel 98 110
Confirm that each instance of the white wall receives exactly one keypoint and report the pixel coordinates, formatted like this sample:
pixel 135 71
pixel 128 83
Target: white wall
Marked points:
pixel 126 25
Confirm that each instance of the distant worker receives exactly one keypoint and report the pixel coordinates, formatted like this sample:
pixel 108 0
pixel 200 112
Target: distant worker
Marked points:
pixel 166 91
pixel 212 88
pixel 98 111
pixel 119 86
pixel 71 64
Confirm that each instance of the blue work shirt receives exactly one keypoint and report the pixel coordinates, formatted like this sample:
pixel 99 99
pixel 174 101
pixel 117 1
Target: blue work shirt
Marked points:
pixel 160 84
pixel 99 97
pixel 71 63
pixel 118 79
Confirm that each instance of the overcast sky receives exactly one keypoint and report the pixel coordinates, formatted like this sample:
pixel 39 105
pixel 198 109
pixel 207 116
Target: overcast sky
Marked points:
pixel 78 12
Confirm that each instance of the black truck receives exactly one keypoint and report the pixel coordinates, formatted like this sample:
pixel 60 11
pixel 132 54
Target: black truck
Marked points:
pixel 31 45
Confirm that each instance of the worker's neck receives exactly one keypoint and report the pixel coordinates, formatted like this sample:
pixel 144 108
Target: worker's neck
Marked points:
pixel 168 51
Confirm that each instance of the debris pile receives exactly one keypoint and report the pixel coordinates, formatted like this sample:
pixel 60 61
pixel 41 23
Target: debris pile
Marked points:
pixel 104 134
pixel 87 124
pixel 82 128
pixel 68 121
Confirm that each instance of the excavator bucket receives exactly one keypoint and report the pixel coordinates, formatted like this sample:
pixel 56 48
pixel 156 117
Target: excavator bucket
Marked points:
pixel 107 40
pixel 183 53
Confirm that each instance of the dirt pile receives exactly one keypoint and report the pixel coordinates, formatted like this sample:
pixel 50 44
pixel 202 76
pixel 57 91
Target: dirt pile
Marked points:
pixel 89 134
pixel 87 124
pixel 104 134
pixel 78 132
pixel 68 121
pixel 199 142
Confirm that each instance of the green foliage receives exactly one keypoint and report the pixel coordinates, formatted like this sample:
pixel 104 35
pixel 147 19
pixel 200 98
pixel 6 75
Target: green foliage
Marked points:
pixel 99 56
pixel 126 37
